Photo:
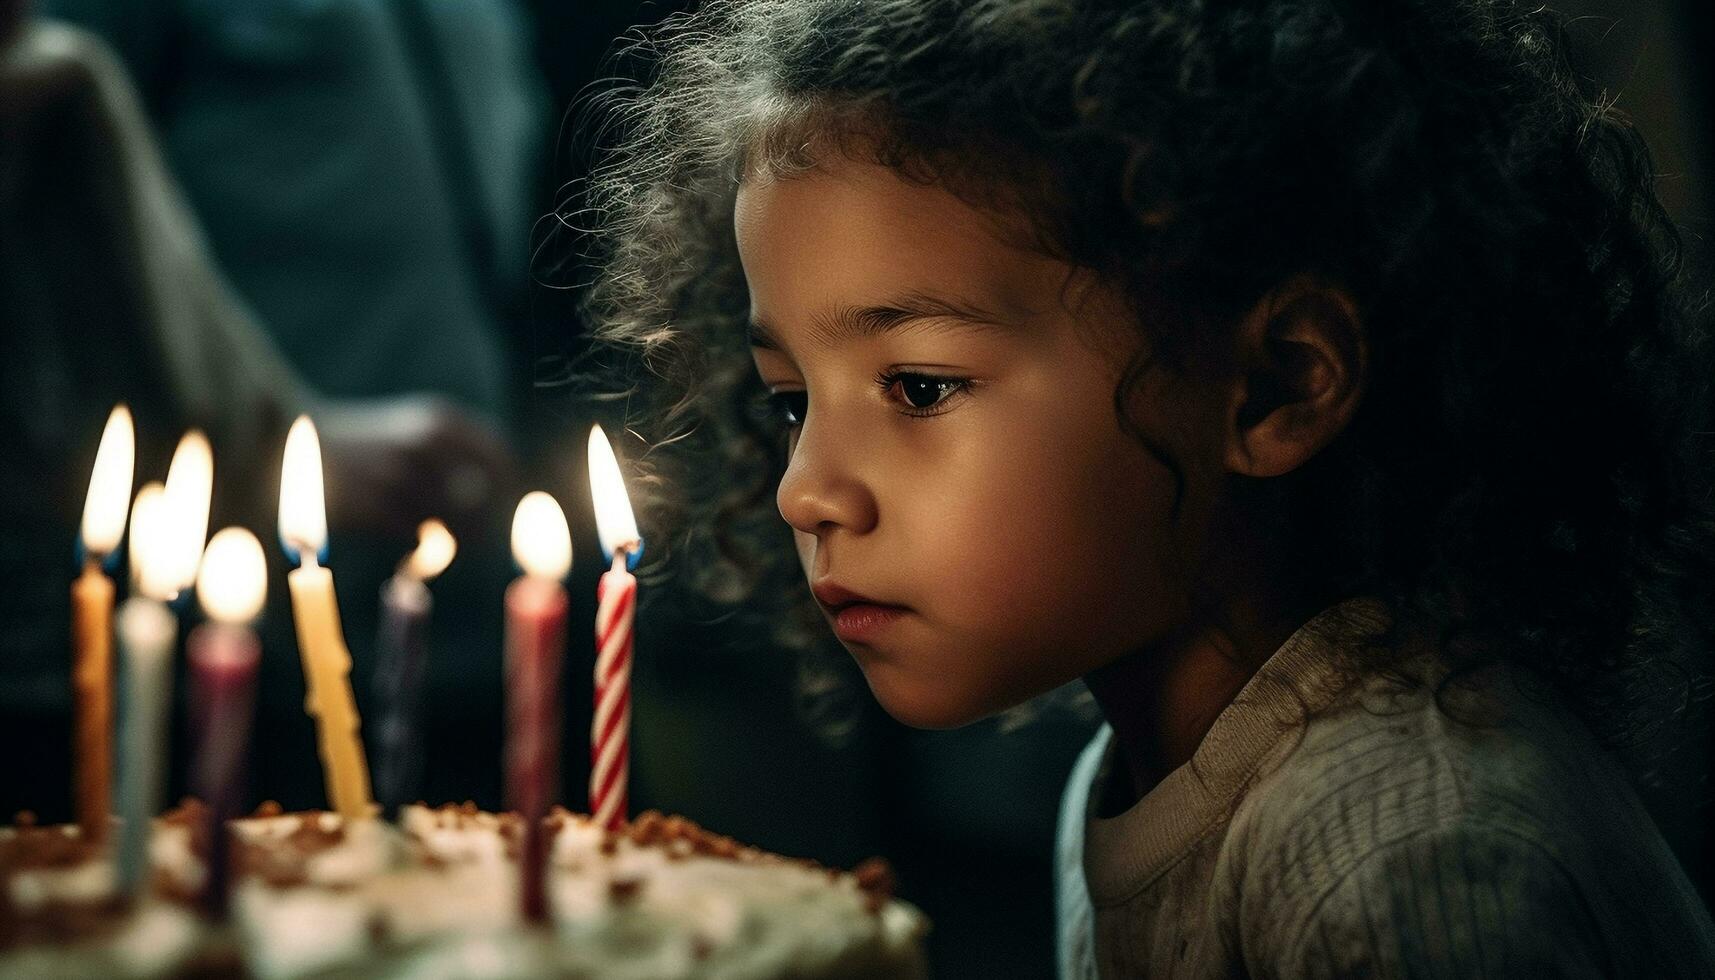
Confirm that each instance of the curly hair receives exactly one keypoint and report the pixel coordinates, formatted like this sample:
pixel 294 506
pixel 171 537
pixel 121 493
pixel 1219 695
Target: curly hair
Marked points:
pixel 1529 476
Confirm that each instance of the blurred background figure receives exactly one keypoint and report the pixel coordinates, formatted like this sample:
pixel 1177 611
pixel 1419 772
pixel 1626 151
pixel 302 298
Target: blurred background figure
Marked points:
pixel 366 173
pixel 327 206
pixel 112 292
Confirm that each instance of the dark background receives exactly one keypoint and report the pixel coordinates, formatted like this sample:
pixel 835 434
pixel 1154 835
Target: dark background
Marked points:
pixel 967 817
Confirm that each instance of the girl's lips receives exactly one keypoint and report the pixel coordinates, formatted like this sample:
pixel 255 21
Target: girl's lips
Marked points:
pixel 864 622
pixel 857 618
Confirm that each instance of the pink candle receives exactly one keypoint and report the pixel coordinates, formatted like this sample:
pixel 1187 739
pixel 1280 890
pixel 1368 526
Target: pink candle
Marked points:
pixel 616 593
pixel 535 645
pixel 223 656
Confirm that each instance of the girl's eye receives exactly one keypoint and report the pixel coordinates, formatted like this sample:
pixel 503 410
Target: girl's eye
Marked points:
pixel 922 394
pixel 788 406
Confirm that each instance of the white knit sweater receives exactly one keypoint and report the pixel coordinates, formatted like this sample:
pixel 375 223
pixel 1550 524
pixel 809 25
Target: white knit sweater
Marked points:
pixel 1381 838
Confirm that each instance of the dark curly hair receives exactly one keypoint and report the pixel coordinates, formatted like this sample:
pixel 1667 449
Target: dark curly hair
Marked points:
pixel 1529 476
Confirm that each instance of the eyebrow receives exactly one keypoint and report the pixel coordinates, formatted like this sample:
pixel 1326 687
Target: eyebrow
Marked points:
pixel 859 322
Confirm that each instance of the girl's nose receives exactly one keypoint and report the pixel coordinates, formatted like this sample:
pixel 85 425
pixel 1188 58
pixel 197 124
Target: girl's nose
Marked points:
pixel 820 490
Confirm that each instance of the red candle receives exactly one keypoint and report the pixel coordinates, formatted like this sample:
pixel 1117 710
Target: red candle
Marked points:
pixel 616 593
pixel 535 645
pixel 223 656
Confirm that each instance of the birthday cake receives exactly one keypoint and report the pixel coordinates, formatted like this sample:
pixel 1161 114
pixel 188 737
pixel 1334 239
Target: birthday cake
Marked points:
pixel 436 894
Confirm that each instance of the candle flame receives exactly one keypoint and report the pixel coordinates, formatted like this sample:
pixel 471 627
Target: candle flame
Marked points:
pixel 190 484
pixel 541 542
pixel 614 522
pixel 151 522
pixel 303 515
pixel 435 549
pixel 110 484
pixel 233 580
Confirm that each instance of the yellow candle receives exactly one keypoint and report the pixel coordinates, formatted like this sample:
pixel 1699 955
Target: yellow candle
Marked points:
pixel 321 642
pixel 104 512
pixel 327 675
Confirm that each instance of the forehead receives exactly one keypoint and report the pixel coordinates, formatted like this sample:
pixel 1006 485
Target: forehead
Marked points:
pixel 850 232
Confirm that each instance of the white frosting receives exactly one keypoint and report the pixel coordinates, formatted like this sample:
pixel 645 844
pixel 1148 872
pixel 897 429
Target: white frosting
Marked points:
pixel 170 853
pixel 438 896
pixel 290 932
pixel 80 884
pixel 154 938
pixel 158 937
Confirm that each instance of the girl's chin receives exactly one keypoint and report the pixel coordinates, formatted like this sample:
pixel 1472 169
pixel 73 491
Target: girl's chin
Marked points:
pixel 923 703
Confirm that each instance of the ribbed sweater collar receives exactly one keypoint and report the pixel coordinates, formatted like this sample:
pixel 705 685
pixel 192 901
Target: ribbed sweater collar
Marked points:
pixel 1125 854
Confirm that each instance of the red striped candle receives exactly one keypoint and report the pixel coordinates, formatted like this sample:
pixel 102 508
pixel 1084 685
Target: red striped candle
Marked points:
pixel 616 594
pixel 610 737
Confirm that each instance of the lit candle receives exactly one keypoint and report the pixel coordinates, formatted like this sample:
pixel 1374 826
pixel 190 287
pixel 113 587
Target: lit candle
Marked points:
pixel 405 608
pixel 321 643
pixel 190 488
pixel 616 595
pixel 535 644
pixel 223 656
pixel 167 528
pixel 92 622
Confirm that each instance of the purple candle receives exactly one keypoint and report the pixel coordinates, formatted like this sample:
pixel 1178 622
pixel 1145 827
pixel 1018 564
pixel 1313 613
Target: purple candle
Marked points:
pixel 399 664
pixel 223 656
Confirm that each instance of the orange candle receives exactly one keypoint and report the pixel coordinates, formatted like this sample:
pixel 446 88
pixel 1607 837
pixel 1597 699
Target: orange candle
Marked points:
pixel 92 687
pixel 104 513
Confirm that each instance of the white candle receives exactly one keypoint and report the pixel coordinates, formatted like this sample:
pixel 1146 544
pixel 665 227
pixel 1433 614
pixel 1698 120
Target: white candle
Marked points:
pixel 147 631
pixel 167 530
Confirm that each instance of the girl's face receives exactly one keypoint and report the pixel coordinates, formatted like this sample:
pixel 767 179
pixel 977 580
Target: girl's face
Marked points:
pixel 954 446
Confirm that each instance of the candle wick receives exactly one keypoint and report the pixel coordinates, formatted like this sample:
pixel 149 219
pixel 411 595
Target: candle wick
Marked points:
pixel 619 557
pixel 307 557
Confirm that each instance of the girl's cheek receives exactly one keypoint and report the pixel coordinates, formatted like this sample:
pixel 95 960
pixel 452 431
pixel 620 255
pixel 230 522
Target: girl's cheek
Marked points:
pixel 1056 548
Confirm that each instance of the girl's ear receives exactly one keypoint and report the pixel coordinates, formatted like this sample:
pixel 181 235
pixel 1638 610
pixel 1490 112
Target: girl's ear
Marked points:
pixel 1302 361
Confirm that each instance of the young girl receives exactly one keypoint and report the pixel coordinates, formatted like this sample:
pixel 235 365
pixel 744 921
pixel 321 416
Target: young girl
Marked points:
pixel 1309 378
